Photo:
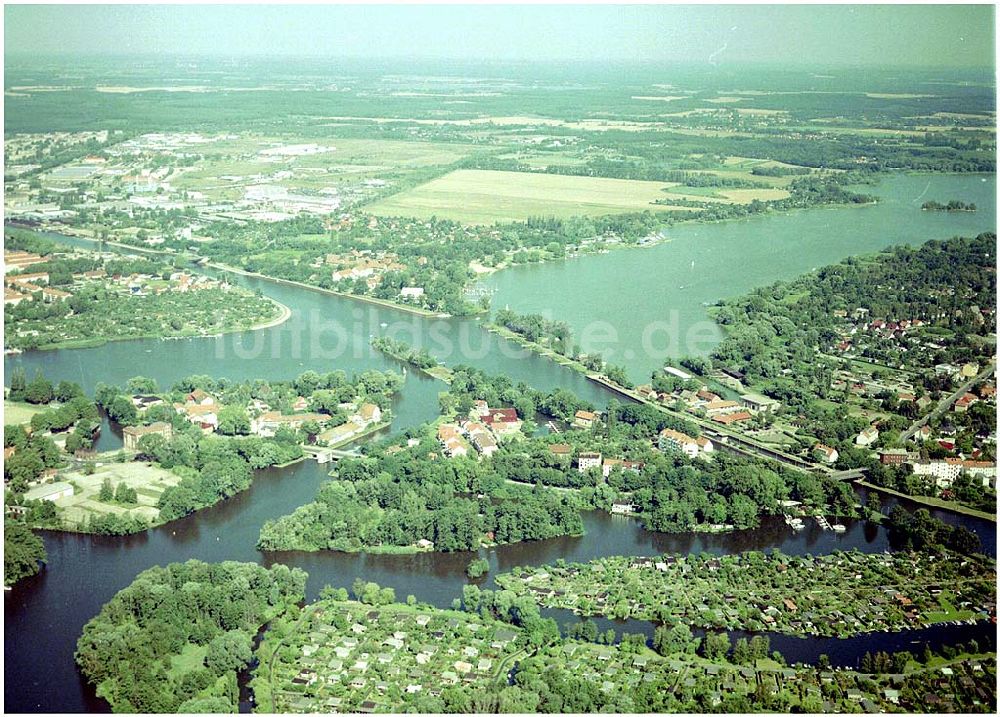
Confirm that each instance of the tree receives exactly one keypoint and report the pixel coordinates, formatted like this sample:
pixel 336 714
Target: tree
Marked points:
pixel 233 420
pixel 18 384
pixel 125 494
pixel 67 390
pixel 716 645
pixel 107 493
pixel 141 384
pixel 672 640
pixel 40 390
pixel 23 551
pixel 228 652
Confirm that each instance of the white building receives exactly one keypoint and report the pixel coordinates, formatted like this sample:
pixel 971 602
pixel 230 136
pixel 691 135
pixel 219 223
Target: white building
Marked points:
pixel 50 491
pixel 944 472
pixel 586 461
pixel 867 436
pixel 671 440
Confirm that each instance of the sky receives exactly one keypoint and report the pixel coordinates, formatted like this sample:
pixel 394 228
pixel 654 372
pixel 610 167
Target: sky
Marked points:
pixel 908 35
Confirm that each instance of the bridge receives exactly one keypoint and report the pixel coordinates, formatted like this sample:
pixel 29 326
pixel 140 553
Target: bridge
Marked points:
pixel 325 455
pixel 853 474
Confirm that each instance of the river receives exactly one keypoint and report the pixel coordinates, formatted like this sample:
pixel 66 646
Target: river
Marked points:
pixel 45 614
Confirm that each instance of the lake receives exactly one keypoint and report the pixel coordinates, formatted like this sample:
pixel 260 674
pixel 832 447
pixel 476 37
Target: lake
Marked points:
pixel 642 306
pixel 45 614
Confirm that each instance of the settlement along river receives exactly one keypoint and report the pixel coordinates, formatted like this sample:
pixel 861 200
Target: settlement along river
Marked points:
pixel 45 614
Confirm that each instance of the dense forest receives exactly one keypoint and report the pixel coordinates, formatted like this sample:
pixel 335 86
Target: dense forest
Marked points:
pixel 174 639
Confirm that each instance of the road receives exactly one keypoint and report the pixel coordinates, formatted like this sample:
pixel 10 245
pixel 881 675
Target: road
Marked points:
pixel 946 403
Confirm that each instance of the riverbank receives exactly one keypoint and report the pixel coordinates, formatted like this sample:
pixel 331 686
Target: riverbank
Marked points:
pixel 284 313
pixel 343 294
pixel 932 502
pixel 536 348
pixel 369 430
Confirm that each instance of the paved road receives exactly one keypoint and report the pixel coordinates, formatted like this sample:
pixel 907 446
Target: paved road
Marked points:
pixel 946 403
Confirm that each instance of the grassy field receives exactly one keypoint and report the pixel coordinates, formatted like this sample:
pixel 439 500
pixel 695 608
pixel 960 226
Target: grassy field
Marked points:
pixel 149 482
pixel 15 413
pixel 482 197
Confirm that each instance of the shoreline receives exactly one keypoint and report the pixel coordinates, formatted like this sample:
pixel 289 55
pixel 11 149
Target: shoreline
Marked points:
pixel 930 502
pixel 284 314
pixel 385 303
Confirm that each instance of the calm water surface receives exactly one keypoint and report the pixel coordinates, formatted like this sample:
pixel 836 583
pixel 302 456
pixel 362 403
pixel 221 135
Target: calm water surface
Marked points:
pixel 45 614
pixel 662 291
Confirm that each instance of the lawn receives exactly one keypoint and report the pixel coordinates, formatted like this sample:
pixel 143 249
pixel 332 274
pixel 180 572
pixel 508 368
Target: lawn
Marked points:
pixel 948 611
pixel 15 413
pixel 482 197
pixel 190 658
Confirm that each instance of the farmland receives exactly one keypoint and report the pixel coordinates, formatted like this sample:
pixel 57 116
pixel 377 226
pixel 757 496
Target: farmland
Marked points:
pixel 484 197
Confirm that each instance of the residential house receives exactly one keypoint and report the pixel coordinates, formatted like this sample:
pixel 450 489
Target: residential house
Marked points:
pixel 268 423
pixel 622 507
pixel 867 436
pixel 893 456
pixel 368 414
pixel 730 418
pixel 562 451
pixel 963 403
pixel 720 408
pixel 671 440
pixel 502 421
pixel 945 471
pixel 584 419
pixel 451 441
pixel 826 453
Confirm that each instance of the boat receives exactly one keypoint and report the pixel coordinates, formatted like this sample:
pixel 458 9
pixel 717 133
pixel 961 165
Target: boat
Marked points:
pixel 838 528
pixel 383 324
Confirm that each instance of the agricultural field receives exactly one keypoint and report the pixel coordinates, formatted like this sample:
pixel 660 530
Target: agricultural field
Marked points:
pixel 148 481
pixel 482 197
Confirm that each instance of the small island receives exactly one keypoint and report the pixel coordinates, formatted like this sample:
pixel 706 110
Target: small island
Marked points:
pixel 174 640
pixel 953 206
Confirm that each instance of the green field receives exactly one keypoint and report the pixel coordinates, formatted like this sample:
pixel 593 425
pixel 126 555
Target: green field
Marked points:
pixel 15 413
pixel 482 197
